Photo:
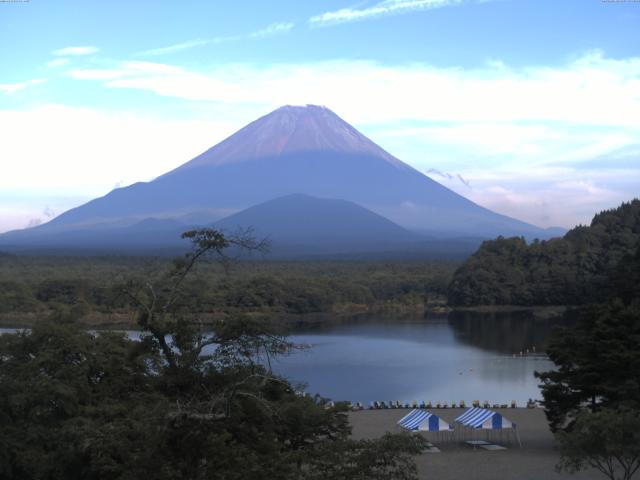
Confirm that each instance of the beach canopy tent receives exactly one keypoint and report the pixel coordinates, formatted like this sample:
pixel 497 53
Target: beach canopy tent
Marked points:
pixel 423 421
pixel 481 418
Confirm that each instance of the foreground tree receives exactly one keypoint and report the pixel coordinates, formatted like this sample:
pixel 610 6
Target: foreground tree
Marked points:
pixel 183 402
pixel 598 363
pixel 592 399
pixel 608 440
pixel 76 405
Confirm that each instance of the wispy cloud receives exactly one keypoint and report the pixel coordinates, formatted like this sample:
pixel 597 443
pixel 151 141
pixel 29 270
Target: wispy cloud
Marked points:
pixel 9 88
pixel 184 46
pixel 273 29
pixel 484 102
pixel 58 62
pixel 75 51
pixel 386 7
pixel 269 31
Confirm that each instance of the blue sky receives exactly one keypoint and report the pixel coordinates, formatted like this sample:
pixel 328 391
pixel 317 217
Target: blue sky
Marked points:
pixel 531 108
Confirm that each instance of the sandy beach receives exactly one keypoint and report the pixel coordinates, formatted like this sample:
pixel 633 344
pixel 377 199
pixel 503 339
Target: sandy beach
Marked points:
pixel 536 459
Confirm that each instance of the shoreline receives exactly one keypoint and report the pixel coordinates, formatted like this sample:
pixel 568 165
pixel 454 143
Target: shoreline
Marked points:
pixel 340 314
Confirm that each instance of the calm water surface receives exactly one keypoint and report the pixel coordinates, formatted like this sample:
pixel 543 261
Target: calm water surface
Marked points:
pixel 442 358
pixel 463 357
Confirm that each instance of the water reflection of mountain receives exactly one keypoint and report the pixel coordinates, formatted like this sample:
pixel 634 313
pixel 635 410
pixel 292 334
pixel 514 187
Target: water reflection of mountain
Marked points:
pixel 504 332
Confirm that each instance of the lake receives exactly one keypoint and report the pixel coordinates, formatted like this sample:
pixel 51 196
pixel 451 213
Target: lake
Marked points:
pixel 460 356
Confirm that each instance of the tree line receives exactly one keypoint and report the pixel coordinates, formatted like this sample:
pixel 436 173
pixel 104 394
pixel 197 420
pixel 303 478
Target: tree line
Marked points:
pixel 87 288
pixel 576 269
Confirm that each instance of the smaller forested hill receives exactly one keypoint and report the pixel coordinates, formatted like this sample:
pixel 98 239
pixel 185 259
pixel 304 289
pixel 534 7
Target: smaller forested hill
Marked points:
pixel 571 270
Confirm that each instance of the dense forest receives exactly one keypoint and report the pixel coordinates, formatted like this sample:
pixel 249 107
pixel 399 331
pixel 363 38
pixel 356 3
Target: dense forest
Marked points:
pixel 572 270
pixel 89 289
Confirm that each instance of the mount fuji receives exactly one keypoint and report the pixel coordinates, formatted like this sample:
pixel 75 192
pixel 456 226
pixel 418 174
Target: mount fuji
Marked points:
pixel 305 150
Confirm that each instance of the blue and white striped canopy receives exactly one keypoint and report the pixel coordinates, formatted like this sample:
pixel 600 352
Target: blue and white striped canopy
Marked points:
pixel 482 418
pixel 423 421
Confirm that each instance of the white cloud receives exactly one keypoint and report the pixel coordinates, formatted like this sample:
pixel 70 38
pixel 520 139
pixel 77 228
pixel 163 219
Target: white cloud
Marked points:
pixel 82 153
pixel 592 90
pixel 96 74
pixel 14 217
pixel 273 29
pixel 557 196
pixel 269 31
pixel 386 7
pixel 58 62
pixel 20 212
pixel 180 46
pixel 10 88
pixel 75 51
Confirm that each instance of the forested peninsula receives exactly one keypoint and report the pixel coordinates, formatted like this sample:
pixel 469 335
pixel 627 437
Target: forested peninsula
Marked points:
pixel 582 267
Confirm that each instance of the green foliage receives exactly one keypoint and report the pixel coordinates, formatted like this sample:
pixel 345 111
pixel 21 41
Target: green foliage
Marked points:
pixel 598 357
pixel 608 440
pixel 572 270
pixel 33 288
pixel 592 398
pixel 389 457
pixel 180 403
pixel 598 363
pixel 72 403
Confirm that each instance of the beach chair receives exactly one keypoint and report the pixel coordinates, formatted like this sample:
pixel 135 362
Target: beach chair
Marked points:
pixel 486 404
pixel 513 404
pixel 429 405
pixel 475 403
pixel 462 404
pixel 414 404
pixel 422 404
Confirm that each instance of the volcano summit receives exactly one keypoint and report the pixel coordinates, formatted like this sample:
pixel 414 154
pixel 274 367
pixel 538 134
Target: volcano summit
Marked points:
pixel 293 150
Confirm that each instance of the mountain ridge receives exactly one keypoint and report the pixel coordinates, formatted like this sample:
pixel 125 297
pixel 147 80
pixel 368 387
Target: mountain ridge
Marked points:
pixel 308 150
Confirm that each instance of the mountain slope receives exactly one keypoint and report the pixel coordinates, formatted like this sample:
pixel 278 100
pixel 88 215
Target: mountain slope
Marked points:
pixel 299 149
pixel 320 225
pixel 150 235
